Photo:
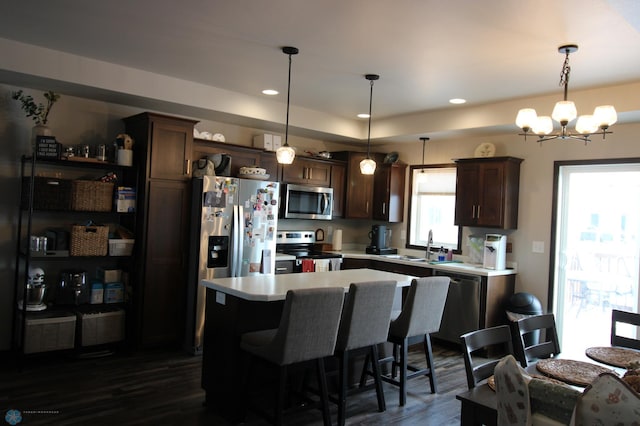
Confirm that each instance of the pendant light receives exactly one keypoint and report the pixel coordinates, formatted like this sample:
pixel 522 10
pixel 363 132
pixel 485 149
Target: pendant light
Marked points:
pixel 285 154
pixel 368 166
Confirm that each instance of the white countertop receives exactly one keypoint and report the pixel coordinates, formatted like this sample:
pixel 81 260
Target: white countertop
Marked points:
pixel 460 268
pixel 267 288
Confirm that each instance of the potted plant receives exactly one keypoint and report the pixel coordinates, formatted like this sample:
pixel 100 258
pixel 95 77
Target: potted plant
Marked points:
pixel 39 112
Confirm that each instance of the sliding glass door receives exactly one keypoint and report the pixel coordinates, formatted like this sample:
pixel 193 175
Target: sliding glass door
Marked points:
pixel 596 264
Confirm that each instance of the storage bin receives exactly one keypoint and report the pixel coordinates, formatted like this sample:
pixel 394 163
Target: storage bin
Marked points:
pixel 109 275
pixel 90 240
pixel 120 247
pixel 101 327
pixel 91 196
pixel 48 193
pixel 49 332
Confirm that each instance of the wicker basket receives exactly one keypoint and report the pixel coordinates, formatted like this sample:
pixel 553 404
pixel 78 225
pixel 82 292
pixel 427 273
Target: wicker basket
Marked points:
pixel 89 240
pixel 92 196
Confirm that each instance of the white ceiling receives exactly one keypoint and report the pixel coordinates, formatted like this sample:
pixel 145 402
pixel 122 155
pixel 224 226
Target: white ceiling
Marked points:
pixel 425 51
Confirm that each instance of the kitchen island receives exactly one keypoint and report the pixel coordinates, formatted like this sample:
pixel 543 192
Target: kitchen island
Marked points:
pixel 239 305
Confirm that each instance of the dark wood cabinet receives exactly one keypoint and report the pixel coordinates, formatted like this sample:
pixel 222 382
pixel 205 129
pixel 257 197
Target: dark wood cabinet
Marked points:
pixel 350 263
pixel 388 192
pixel 487 192
pixel 307 171
pixel 163 151
pixel 338 177
pixel 163 315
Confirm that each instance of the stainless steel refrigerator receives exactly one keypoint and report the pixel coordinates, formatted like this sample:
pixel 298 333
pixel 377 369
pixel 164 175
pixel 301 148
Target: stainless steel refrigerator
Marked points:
pixel 233 234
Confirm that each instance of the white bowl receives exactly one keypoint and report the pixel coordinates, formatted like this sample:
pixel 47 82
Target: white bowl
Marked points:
pixel 252 171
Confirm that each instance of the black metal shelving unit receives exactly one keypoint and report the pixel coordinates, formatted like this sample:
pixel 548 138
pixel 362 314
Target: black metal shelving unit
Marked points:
pixel 25 259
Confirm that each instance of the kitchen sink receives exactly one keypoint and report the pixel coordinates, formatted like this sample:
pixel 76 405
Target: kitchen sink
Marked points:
pixel 405 257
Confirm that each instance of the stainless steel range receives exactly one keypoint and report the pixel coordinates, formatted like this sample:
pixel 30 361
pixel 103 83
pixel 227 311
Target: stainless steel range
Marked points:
pixel 301 244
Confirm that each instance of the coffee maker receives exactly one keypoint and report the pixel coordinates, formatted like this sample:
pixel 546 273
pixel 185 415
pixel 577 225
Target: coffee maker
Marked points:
pixel 378 236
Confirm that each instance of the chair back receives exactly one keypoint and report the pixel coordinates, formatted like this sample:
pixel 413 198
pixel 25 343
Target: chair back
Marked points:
pixel 495 340
pixel 625 318
pixel 308 326
pixel 422 308
pixel 366 314
pixel 526 347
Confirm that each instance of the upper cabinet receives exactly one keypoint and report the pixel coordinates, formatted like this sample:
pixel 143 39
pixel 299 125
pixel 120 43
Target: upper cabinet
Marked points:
pixel 487 192
pixel 378 197
pixel 338 176
pixel 307 171
pixel 388 192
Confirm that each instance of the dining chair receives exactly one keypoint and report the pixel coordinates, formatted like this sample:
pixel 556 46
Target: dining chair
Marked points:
pixel 421 315
pixel 483 349
pixel 624 317
pixel 364 324
pixel 535 337
pixel 307 331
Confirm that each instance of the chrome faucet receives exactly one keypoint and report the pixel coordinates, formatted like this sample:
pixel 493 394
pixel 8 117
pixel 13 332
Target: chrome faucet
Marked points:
pixel 429 244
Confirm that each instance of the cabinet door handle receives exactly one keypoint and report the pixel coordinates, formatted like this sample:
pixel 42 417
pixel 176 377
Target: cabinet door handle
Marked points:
pixel 478 212
pixel 281 269
pixel 473 211
pixel 187 167
pixel 304 173
pixel 367 207
pixel 310 173
pixel 384 208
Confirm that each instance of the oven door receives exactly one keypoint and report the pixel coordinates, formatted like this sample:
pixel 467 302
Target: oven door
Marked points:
pixel 307 202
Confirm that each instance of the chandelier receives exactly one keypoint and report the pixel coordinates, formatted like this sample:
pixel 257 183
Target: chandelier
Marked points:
pixel 368 165
pixel 285 154
pixel 564 112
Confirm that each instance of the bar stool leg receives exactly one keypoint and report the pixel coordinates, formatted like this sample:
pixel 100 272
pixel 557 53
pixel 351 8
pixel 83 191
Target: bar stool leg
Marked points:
pixel 403 371
pixel 324 397
pixel 378 380
pixel 282 384
pixel 429 354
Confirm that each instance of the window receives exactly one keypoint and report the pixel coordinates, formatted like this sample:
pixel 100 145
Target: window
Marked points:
pixel 432 207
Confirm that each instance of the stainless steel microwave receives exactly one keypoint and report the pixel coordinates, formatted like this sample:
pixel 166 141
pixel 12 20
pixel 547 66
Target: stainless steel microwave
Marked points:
pixel 306 202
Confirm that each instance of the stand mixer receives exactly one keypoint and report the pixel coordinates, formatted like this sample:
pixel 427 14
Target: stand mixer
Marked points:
pixel 35 291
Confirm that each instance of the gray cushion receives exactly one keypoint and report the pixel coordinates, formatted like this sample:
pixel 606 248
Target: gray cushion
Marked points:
pixel 366 314
pixel 308 328
pixel 422 309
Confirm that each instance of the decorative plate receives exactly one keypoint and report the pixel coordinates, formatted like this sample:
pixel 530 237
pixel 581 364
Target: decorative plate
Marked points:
pixel 391 157
pixel 485 150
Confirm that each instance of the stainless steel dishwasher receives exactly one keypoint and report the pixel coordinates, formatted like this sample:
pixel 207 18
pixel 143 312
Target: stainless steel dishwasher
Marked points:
pixel 462 308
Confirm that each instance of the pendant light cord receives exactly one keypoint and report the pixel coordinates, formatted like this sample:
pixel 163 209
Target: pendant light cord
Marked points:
pixel 370 103
pixel 424 141
pixel 286 129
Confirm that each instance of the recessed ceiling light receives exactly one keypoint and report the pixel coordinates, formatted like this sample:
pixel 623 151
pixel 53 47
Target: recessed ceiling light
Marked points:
pixel 270 92
pixel 363 115
pixel 457 101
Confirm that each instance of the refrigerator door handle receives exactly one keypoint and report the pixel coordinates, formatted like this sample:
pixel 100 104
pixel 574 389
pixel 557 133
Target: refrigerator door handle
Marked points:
pixel 239 234
pixel 234 242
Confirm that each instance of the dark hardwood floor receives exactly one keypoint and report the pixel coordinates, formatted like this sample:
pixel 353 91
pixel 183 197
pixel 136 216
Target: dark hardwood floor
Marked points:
pixel 163 388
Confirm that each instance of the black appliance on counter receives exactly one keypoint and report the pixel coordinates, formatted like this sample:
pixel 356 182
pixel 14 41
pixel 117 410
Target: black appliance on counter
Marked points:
pixel 301 244
pixel 378 236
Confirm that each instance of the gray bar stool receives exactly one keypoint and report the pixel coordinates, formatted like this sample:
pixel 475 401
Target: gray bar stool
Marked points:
pixel 308 330
pixel 421 315
pixel 364 324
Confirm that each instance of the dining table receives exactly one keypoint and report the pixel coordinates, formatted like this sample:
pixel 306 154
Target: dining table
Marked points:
pixel 479 404
pixel 237 305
